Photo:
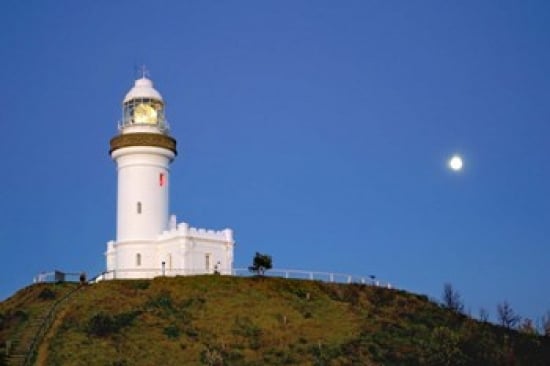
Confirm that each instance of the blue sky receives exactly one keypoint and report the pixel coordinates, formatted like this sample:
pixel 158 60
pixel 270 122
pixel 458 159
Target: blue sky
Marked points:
pixel 318 130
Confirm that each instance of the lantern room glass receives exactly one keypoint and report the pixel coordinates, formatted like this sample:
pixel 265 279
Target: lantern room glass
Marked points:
pixel 144 111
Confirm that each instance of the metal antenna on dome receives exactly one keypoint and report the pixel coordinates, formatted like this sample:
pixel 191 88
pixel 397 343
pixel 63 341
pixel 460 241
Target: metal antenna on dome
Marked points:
pixel 143 72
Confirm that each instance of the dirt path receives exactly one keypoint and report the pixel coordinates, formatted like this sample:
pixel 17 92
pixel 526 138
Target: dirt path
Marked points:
pixel 42 352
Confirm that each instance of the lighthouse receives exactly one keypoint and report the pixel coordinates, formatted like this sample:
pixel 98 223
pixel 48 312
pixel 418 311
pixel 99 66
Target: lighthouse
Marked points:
pixel 149 241
pixel 143 152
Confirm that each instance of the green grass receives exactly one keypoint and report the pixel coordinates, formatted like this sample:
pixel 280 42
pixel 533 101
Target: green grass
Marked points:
pixel 22 314
pixel 221 320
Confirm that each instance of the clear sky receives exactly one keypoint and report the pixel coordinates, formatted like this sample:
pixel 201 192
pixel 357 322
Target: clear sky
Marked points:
pixel 318 130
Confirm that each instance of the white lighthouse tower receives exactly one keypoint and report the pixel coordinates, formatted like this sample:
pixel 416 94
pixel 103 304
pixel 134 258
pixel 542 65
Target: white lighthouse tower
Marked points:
pixel 148 242
pixel 142 153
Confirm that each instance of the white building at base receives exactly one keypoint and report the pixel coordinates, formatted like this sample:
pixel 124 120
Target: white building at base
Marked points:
pixel 149 242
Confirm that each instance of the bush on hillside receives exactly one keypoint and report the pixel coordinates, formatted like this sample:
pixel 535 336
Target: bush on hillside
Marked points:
pixel 102 324
pixel 161 301
pixel 47 294
pixel 172 331
pixel 141 284
pixel 21 314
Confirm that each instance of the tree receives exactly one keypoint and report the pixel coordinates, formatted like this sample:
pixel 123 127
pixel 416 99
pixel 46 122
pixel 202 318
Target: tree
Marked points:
pixel 507 317
pixel 483 315
pixel 527 327
pixel 261 263
pixel 546 324
pixel 451 299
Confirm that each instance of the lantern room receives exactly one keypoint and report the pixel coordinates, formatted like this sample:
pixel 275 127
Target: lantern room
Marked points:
pixel 143 109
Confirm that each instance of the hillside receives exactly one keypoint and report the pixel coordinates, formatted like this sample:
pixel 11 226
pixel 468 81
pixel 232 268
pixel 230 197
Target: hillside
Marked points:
pixel 219 320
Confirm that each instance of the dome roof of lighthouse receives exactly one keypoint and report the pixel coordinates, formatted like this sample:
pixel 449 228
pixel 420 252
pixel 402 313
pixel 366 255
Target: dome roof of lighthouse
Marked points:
pixel 143 88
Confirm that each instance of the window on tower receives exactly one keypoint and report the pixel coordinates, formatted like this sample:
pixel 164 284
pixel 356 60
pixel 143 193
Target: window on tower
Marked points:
pixel 162 179
pixel 139 207
pixel 138 259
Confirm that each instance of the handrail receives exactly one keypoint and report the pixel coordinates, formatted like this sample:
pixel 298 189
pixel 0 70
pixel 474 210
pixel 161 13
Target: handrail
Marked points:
pixel 317 275
pixel 243 272
pixel 45 326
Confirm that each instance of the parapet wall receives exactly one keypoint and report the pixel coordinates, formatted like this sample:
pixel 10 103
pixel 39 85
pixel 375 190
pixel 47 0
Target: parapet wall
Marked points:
pixel 183 229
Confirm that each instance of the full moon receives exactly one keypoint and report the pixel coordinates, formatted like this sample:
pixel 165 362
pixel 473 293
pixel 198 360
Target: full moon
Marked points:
pixel 455 163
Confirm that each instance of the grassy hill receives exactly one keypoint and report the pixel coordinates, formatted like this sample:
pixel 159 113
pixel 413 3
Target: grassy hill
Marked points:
pixel 219 320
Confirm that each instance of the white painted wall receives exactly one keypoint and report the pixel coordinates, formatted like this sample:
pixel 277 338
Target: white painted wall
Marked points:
pixel 183 249
pixel 139 169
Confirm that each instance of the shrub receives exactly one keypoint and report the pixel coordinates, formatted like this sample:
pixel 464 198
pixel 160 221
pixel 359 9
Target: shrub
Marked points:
pixel 191 332
pixel 172 331
pixel 126 319
pixel 47 294
pixel 275 356
pixel 102 325
pixel 162 301
pixel 246 328
pixel 324 354
pixel 119 363
pixel 444 348
pixel 141 284
pixel 211 356
pixel 196 302
pixel 22 315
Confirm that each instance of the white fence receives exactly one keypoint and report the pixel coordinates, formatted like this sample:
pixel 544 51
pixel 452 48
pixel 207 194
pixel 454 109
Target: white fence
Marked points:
pixel 244 272
pixel 316 276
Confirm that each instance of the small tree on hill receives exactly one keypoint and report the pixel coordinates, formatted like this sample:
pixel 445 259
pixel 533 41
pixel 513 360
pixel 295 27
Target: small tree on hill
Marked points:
pixel 451 299
pixel 483 315
pixel 546 324
pixel 507 317
pixel 527 327
pixel 261 263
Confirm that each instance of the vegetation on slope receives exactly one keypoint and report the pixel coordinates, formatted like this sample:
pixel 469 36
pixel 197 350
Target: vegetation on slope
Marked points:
pixel 22 315
pixel 220 320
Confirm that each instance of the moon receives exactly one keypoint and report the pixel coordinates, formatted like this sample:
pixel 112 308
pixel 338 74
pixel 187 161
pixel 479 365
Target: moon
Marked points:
pixel 455 163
